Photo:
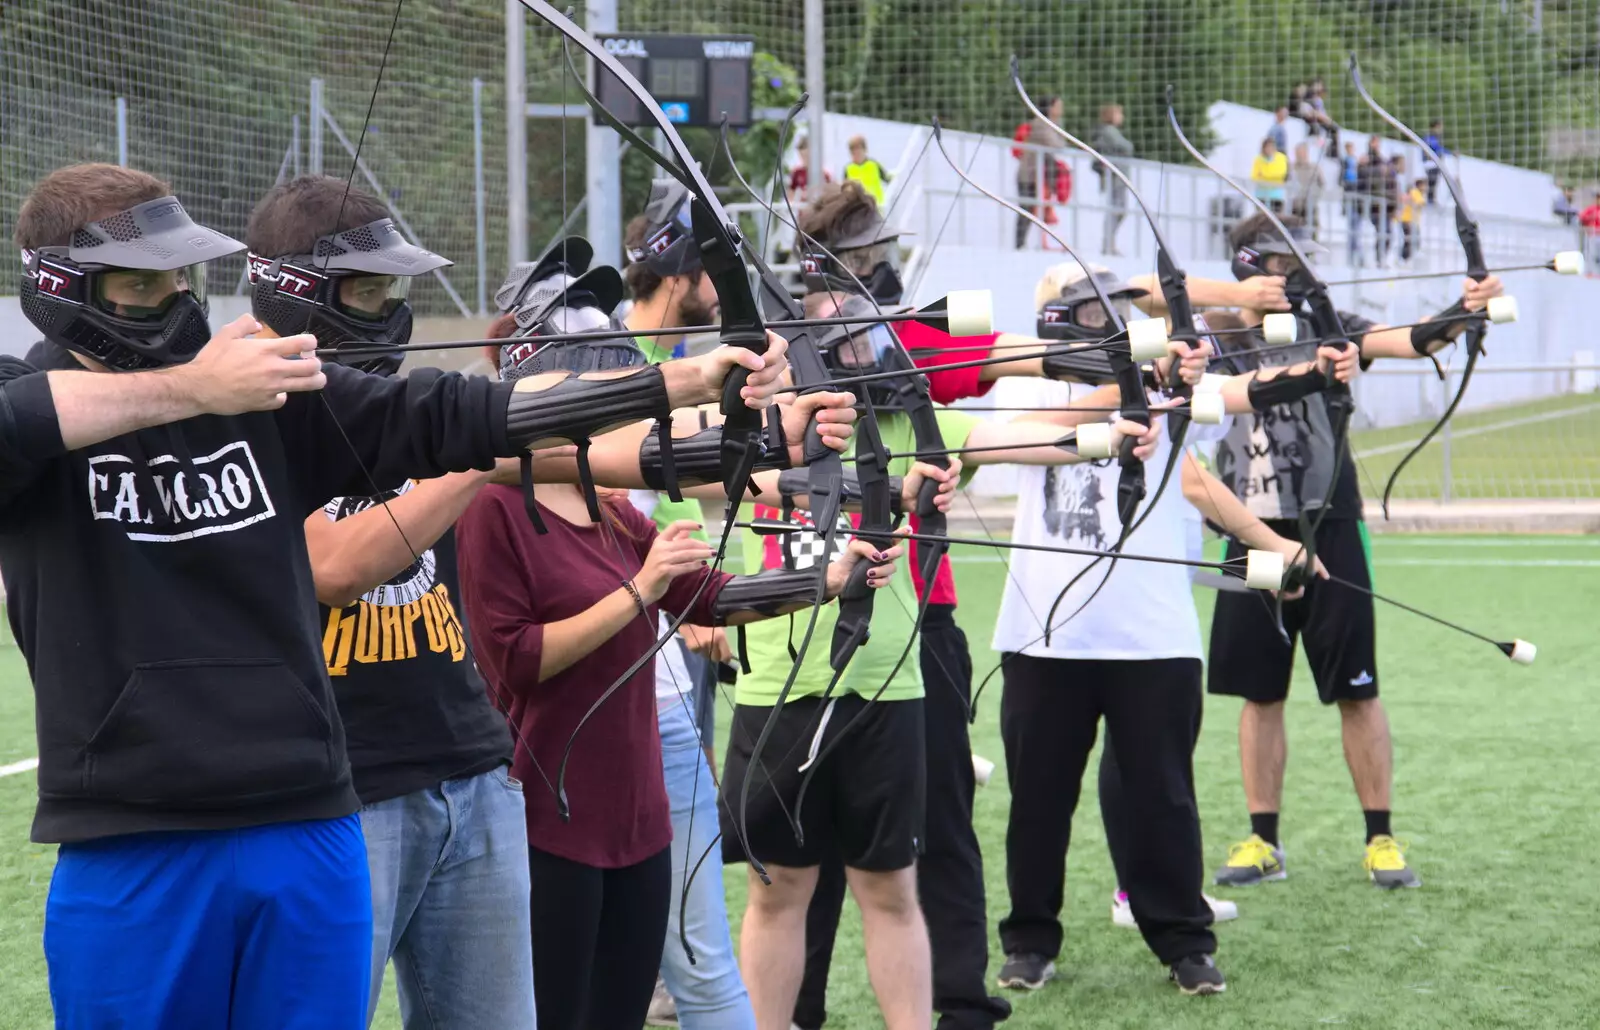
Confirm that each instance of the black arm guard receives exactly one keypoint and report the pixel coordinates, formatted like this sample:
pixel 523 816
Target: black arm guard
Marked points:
pixel 697 459
pixel 1284 389
pixel 794 483
pixel 576 409
pixel 1090 366
pixel 1433 331
pixel 766 593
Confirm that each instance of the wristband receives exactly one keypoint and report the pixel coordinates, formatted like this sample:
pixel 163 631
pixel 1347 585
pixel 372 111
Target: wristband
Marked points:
pixel 576 409
pixel 766 593
pixel 1285 388
pixel 1085 366
pixel 1433 331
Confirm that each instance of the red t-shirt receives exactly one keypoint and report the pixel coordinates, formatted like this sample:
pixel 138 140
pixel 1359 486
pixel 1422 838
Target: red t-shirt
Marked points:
pixel 950 385
pixel 946 386
pixel 514 582
pixel 1590 218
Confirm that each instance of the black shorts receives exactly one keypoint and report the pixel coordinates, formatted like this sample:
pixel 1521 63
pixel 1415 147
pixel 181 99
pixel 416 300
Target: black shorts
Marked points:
pixel 865 803
pixel 1249 659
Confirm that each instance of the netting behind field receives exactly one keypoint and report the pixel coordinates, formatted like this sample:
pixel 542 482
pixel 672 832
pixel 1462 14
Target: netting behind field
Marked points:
pixel 214 90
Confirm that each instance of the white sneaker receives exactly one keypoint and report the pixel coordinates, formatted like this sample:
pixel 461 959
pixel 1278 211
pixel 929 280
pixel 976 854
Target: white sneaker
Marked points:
pixel 1122 913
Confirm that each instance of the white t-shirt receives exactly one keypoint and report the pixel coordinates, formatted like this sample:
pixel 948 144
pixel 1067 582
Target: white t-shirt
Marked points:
pixel 1146 609
pixel 673 684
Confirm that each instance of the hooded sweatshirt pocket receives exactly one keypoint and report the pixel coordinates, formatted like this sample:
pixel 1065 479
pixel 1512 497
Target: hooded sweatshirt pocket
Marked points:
pixel 202 732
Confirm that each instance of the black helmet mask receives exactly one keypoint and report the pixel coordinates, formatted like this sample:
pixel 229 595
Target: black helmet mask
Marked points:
pixel 864 349
pixel 1078 314
pixel 84 296
pixel 1270 254
pixel 561 294
pixel 882 282
pixel 350 292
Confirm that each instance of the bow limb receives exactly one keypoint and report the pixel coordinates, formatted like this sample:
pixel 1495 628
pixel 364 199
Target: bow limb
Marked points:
pixel 1130 383
pixel 1173 282
pixel 501 702
pixel 872 470
pixel 1326 324
pixel 1472 247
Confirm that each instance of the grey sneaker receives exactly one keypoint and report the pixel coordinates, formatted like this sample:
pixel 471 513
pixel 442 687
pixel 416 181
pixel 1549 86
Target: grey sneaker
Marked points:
pixel 1026 970
pixel 1197 974
pixel 1251 861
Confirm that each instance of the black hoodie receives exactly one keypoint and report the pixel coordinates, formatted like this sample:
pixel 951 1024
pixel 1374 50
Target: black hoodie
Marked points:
pixel 159 588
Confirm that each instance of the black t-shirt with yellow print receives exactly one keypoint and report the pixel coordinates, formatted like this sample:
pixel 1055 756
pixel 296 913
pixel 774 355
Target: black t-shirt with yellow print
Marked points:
pixel 415 710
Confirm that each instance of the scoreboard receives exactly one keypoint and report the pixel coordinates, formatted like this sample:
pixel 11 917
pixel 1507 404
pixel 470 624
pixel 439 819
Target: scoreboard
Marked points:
pixel 696 79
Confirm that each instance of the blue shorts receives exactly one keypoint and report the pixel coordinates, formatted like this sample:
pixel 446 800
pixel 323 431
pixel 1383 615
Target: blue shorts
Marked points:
pixel 269 927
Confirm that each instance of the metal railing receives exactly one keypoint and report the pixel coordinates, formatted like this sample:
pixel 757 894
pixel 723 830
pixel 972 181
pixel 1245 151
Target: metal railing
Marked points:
pixel 1194 209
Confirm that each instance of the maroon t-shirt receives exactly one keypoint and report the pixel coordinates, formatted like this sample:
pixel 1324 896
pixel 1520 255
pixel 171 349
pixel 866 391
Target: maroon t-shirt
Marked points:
pixel 515 581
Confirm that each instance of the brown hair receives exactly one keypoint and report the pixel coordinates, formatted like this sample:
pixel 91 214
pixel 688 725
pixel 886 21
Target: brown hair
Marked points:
pixel 642 282
pixel 1259 224
pixel 840 211
pixel 69 198
pixel 291 217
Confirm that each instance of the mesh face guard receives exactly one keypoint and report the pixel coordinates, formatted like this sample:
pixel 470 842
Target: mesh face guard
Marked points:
pixel 1078 314
pixel 864 349
pixel 669 247
pixel 83 298
pixel 349 291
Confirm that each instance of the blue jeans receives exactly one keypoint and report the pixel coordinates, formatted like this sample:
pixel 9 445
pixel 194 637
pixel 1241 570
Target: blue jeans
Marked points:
pixel 450 903
pixel 710 993
pixel 269 927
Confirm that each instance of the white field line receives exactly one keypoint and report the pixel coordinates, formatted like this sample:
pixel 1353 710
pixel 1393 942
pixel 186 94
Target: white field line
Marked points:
pixel 1492 427
pixel 26 765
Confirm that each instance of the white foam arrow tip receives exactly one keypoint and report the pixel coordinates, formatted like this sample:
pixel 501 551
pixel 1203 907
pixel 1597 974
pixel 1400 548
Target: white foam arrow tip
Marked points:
pixel 1263 570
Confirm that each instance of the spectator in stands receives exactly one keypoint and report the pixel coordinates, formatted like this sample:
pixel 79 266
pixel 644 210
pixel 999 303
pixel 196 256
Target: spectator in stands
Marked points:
pixel 1297 102
pixel 1036 169
pixel 1109 140
pixel 1435 141
pixel 800 175
pixel 1350 183
pixel 869 173
pixel 1270 171
pixel 1590 220
pixel 1373 189
pixel 1305 184
pixel 1565 207
pixel 1411 201
pixel 1278 132
pixel 1317 114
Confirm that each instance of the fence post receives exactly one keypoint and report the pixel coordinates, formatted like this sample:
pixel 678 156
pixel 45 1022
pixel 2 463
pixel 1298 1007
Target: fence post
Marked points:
pixel 1446 482
pixel 477 190
pixel 816 85
pixel 314 142
pixel 602 164
pixel 122 131
pixel 294 143
pixel 516 135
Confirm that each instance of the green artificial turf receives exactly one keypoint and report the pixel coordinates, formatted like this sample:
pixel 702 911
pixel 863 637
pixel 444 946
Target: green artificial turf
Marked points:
pixel 1493 792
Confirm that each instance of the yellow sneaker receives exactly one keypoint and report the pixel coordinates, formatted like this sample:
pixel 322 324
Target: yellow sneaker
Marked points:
pixel 1251 861
pixel 1386 864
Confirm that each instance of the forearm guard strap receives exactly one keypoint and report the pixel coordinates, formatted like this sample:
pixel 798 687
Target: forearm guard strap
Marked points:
pixel 1089 366
pixel 697 459
pixel 576 409
pixel 1285 388
pixel 767 593
pixel 796 483
pixel 1434 331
